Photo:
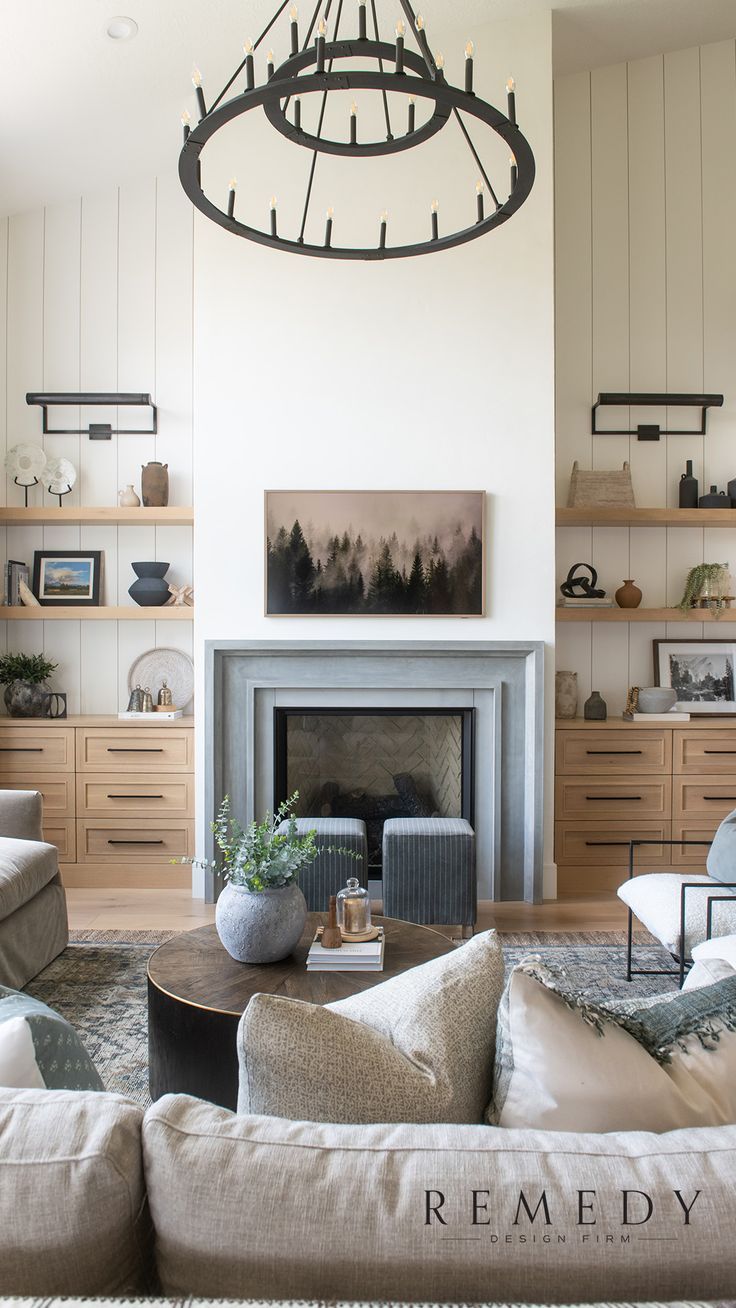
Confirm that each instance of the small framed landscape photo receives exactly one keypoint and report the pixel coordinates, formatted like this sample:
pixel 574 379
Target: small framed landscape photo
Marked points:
pixel 703 672
pixel 67 577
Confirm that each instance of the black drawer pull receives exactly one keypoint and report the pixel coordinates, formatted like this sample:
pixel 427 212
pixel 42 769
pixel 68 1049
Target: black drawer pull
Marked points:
pixel 617 751
pixel 135 842
pixel 607 798
pixel 135 796
pixel 731 798
pixel 719 751
pixel 141 749
pixel 606 844
pixel 21 749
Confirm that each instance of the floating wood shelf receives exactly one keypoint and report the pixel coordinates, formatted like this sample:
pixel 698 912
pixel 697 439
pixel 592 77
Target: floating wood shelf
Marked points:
pixel 641 615
pixel 80 514
pixel 101 613
pixel 603 517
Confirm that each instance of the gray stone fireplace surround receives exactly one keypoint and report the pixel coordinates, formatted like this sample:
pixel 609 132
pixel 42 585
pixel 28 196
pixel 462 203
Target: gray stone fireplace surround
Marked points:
pixel 502 681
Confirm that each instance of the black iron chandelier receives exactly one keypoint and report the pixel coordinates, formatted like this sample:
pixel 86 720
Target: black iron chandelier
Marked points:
pixel 319 67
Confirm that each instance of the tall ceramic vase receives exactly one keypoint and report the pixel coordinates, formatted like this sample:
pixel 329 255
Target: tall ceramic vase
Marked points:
pixel 155 485
pixel 566 694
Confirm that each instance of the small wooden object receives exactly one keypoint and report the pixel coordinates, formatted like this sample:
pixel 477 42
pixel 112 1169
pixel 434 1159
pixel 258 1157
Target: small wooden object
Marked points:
pixel 605 489
pixel 331 935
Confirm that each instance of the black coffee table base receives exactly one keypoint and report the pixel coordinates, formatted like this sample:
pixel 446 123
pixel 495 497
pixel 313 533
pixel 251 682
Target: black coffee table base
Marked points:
pixel 192 1049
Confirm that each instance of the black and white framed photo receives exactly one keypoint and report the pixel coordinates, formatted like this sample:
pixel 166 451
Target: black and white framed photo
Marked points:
pixel 66 577
pixel 703 672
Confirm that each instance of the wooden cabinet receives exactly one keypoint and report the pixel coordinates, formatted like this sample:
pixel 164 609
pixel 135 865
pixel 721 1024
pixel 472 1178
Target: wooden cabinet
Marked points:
pixel 618 782
pixel 118 800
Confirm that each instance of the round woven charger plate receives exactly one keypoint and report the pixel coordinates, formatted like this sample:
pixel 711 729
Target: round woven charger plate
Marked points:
pixel 170 665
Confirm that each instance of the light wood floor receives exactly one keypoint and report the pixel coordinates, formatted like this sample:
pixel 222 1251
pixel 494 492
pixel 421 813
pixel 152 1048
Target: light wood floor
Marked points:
pixel 175 910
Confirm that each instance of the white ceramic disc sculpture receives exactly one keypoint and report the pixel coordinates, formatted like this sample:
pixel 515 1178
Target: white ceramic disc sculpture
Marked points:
pixel 60 476
pixel 25 463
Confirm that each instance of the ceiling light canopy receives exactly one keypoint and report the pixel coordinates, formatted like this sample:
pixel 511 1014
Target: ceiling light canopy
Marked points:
pixel 324 62
pixel 121 28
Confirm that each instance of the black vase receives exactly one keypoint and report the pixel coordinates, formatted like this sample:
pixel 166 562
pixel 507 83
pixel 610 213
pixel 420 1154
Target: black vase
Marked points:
pixel 595 708
pixel 150 590
pixel 688 488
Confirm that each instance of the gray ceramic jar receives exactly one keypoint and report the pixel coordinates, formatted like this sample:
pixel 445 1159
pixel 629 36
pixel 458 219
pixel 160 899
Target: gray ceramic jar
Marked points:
pixel 261 926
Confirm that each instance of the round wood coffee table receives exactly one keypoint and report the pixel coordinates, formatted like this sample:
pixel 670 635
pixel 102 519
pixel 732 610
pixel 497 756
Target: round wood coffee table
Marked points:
pixel 197 994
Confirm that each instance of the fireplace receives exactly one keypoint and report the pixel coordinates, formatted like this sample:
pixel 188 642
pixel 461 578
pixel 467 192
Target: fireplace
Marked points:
pixel 375 763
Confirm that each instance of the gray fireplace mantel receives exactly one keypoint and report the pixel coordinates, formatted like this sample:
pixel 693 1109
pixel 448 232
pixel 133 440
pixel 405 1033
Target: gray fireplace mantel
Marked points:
pixel 503 681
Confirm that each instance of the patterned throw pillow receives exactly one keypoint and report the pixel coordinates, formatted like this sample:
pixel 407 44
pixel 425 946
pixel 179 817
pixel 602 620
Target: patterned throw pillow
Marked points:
pixel 39 1050
pixel 415 1048
pixel 566 1063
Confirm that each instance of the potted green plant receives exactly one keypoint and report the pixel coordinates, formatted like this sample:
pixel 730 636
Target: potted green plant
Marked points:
pixel 707 586
pixel 261 911
pixel 25 678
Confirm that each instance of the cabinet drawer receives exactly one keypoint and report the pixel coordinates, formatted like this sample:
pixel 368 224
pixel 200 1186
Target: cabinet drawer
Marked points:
pixel 130 841
pixel 135 795
pixel 599 845
pixel 699 797
pixel 626 751
pixel 62 834
pixel 705 751
pixel 149 750
pixel 627 800
pixel 692 856
pixel 57 792
pixel 26 749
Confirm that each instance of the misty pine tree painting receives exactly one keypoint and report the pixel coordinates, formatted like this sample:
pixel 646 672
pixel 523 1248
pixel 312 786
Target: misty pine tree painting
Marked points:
pixel 375 552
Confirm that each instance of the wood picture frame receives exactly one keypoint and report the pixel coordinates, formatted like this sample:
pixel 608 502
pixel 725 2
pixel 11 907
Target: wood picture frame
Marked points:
pixel 66 578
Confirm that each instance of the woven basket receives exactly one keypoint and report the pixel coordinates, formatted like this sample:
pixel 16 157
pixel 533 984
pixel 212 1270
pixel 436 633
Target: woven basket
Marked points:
pixel 588 488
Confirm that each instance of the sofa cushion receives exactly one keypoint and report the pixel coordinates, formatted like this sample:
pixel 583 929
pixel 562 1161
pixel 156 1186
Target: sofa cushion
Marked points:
pixel 565 1063
pixel 719 947
pixel 654 897
pixel 415 1048
pixel 73 1212
pixel 39 1049
pixel 255 1206
pixel 26 866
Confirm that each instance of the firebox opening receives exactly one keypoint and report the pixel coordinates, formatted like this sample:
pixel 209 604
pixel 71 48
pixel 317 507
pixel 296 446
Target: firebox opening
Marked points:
pixel 374 764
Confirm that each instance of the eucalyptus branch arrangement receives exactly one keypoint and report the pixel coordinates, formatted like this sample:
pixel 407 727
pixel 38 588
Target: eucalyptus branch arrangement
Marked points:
pixel 259 856
pixel 33 668
pixel 708 582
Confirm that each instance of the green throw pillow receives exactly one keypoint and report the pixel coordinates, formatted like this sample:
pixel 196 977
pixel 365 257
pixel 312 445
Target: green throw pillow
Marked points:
pixel 39 1049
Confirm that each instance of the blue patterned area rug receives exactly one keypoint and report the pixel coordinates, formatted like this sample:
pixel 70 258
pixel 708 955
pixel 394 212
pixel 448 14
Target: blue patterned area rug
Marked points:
pixel 99 985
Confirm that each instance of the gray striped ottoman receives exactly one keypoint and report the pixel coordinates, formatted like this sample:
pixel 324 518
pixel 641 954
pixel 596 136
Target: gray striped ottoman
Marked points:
pixel 429 870
pixel 329 872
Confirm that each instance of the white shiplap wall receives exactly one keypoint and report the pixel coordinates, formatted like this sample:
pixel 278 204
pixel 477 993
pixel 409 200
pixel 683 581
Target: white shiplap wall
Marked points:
pixel 645 182
pixel 96 294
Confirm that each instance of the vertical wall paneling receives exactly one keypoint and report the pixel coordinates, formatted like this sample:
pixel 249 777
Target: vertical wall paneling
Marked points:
pixel 661 278
pixel 90 299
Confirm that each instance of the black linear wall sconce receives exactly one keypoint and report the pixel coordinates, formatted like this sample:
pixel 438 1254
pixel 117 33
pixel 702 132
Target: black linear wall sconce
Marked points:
pixel 97 431
pixel 652 431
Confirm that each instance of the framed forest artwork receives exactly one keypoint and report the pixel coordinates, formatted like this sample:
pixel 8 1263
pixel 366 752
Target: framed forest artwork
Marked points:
pixel 375 553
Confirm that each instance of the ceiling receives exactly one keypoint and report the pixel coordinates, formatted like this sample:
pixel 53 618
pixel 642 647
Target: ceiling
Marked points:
pixel 78 111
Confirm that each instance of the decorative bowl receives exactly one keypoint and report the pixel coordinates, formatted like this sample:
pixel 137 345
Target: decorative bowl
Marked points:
pixel 656 699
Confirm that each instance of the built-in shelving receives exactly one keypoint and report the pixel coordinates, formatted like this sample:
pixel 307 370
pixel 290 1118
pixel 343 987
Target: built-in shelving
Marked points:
pixel 641 615
pixel 609 517
pixel 98 613
pixel 83 515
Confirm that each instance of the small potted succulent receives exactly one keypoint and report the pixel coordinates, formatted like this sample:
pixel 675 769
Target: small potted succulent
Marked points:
pixel 261 911
pixel 707 586
pixel 25 678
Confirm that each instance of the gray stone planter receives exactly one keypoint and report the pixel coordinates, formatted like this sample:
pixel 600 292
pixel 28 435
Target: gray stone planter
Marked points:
pixel 26 699
pixel 262 926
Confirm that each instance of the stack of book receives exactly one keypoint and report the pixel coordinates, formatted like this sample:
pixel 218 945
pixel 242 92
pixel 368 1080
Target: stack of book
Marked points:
pixel 585 602
pixel 362 956
pixel 15 572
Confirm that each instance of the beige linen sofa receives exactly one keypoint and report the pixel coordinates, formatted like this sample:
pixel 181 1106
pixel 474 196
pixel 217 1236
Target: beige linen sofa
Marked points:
pixel 33 917
pixel 98 1198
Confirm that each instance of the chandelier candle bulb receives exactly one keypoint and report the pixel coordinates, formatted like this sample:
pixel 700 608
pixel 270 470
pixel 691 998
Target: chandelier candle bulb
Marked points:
pixel 321 33
pixel 419 23
pixel 511 98
pixel 400 33
pixel 274 228
pixel 412 113
pixel 362 29
pixel 269 65
pixel 186 119
pixel 440 64
pixel 435 220
pixel 469 50
pixel 293 18
pixel 231 197
pixel 353 124
pixel 197 84
pixel 328 228
pixel 479 201
pixel 250 79
pixel 382 237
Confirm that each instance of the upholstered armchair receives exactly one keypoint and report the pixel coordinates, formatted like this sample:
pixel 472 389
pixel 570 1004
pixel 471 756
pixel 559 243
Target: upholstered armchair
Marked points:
pixel 33 917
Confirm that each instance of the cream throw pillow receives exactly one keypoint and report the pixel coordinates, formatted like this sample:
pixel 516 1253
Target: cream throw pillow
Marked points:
pixel 416 1048
pixel 566 1064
